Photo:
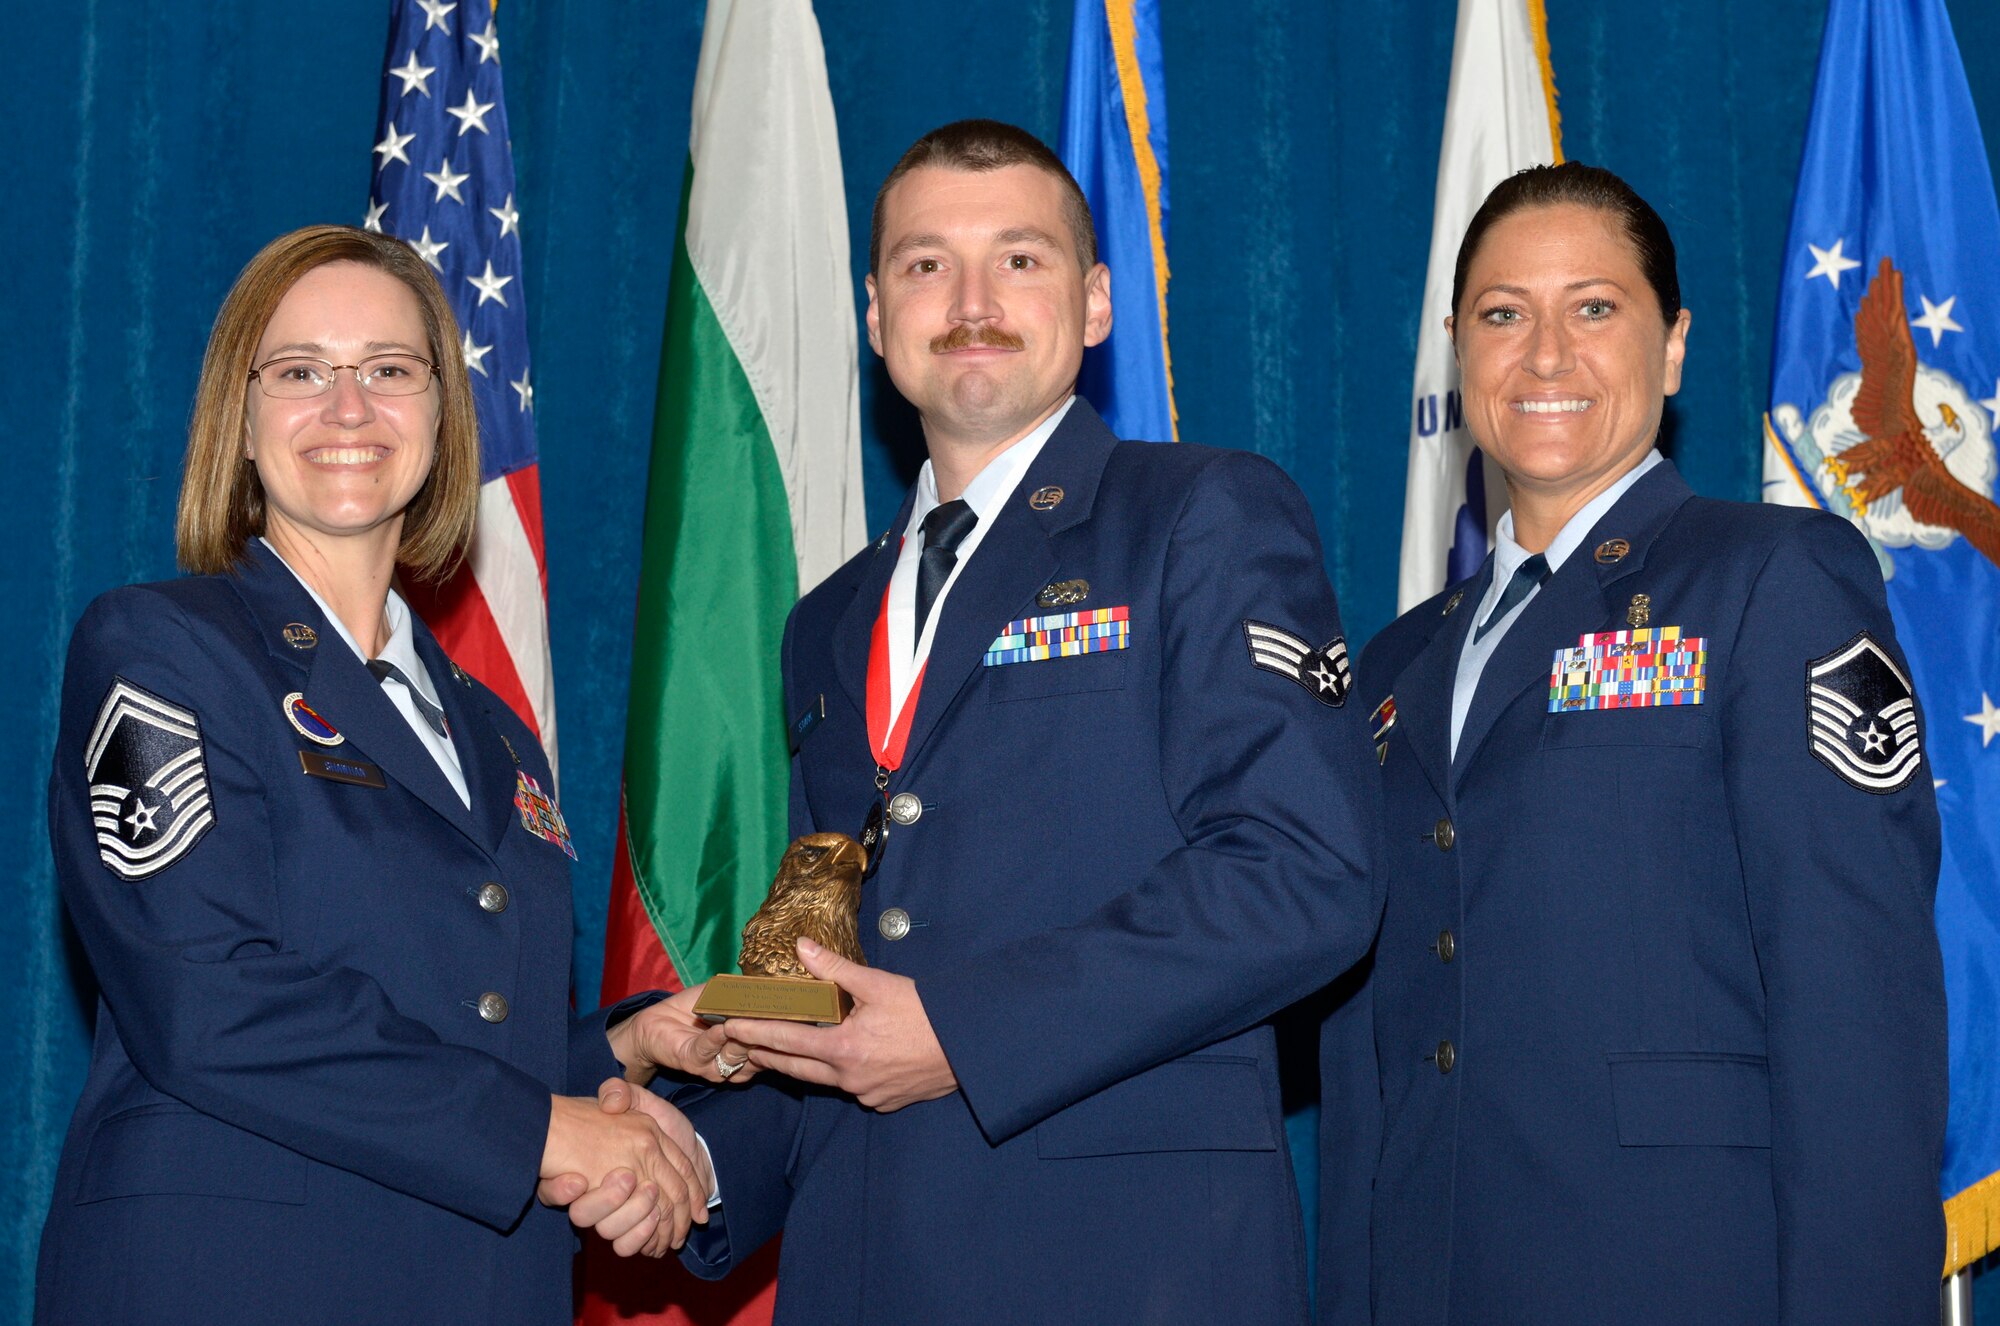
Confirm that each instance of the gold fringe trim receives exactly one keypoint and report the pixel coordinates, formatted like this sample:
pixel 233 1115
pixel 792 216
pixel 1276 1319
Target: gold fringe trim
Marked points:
pixel 1972 1224
pixel 1138 123
pixel 1538 20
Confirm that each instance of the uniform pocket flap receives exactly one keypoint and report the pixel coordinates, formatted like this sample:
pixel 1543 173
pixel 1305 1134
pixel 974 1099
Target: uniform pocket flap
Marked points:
pixel 1671 1099
pixel 1201 1103
pixel 1076 675
pixel 1649 725
pixel 170 1150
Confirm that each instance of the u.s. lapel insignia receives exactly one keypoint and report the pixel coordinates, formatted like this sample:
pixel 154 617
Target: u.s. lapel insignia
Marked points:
pixel 1063 594
pixel 1323 672
pixel 460 673
pixel 1046 499
pixel 539 814
pixel 1862 717
pixel 1061 635
pixel 1611 551
pixel 299 636
pixel 1381 721
pixel 1640 611
pixel 306 721
pixel 1451 604
pixel 148 779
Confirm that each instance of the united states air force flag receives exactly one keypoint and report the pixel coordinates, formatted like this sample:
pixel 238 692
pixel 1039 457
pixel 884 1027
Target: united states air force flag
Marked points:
pixel 1114 140
pixel 1885 394
pixel 444 181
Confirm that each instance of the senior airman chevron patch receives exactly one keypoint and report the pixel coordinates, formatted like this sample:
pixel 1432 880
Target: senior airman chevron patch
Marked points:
pixel 1323 672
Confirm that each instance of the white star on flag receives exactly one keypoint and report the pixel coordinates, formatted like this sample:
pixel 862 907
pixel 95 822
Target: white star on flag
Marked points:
pixel 1830 263
pixel 1988 720
pixel 488 43
pixel 510 221
pixel 415 76
pixel 435 12
pixel 475 356
pixel 488 287
pixel 1992 403
pixel 447 183
pixel 1937 319
pixel 374 221
pixel 526 392
pixel 392 145
pixel 428 249
pixel 472 115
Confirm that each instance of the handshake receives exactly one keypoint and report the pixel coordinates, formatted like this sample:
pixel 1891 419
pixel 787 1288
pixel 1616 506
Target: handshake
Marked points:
pixel 628 1164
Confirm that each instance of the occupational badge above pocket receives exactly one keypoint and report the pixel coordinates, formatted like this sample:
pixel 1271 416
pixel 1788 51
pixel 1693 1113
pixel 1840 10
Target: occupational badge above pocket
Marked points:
pixel 1061 635
pixel 1861 718
pixel 148 780
pixel 1323 672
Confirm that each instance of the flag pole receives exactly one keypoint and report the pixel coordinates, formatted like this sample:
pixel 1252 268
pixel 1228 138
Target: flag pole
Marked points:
pixel 1958 1298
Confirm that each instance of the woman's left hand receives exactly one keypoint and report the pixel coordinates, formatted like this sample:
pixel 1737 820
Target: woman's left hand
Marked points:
pixel 668 1036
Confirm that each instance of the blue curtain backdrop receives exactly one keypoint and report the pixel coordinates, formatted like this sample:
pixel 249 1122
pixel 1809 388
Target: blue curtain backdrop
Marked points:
pixel 150 149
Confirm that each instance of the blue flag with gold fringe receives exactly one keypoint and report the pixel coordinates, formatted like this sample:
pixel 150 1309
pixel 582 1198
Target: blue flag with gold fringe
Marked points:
pixel 1114 140
pixel 1888 336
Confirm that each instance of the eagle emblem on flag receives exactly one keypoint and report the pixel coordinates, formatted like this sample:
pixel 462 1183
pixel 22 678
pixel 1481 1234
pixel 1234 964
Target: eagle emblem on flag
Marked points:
pixel 148 781
pixel 1323 672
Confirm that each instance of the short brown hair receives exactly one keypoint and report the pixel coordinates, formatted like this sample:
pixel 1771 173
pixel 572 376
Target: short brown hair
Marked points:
pixel 222 501
pixel 980 146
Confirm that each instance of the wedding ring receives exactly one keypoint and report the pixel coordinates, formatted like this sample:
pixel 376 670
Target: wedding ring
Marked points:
pixel 725 1068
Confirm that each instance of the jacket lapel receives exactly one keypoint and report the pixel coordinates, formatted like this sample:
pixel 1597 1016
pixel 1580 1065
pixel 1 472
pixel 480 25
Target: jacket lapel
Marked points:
pixel 1578 599
pixel 1423 690
pixel 489 767
pixel 339 687
pixel 1013 562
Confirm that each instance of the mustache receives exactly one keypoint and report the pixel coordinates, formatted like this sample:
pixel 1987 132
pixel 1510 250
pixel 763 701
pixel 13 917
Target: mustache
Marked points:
pixel 964 338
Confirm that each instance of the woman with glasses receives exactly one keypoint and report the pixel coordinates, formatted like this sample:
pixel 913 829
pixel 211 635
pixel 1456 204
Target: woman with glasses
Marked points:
pixel 321 876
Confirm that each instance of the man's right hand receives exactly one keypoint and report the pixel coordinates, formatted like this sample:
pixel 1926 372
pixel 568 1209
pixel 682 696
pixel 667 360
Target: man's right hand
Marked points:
pixel 647 1191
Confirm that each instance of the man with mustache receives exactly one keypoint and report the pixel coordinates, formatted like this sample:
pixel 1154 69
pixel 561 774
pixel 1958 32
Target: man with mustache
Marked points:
pixel 1095 690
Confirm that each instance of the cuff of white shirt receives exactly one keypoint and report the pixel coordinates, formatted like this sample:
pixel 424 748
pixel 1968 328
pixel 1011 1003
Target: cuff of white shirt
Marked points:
pixel 714 1180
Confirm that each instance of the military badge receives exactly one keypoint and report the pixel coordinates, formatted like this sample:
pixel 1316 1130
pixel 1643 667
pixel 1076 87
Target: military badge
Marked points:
pixel 305 720
pixel 1063 594
pixel 300 636
pixel 1381 721
pixel 1633 669
pixel 539 815
pixel 1061 635
pixel 1862 717
pixel 148 782
pixel 1323 672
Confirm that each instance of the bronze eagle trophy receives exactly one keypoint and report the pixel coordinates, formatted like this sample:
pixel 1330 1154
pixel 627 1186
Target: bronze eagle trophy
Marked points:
pixel 817 896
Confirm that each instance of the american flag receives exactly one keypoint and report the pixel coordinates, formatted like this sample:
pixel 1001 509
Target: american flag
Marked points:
pixel 444 181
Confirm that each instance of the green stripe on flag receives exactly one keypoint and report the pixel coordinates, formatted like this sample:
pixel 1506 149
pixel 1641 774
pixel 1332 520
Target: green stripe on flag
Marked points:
pixel 706 761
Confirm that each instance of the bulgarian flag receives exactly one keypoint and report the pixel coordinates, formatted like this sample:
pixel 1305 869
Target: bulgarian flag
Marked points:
pixel 754 496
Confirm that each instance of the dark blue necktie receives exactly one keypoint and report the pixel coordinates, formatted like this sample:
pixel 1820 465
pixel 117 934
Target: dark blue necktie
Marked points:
pixel 944 529
pixel 1528 577
pixel 385 671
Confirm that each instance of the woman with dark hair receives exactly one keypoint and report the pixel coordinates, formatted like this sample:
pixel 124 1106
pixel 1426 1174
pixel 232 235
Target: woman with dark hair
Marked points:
pixel 321 877
pixel 1655 1029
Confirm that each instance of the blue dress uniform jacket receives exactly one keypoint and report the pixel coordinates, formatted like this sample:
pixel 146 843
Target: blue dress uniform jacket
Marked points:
pixel 305 1102
pixel 1124 861
pixel 1657 1005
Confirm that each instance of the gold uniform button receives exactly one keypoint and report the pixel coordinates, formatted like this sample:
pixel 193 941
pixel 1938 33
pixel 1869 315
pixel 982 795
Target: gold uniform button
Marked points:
pixel 1444 835
pixel 493 1007
pixel 893 923
pixel 493 898
pixel 905 808
pixel 1447 1056
pixel 1447 946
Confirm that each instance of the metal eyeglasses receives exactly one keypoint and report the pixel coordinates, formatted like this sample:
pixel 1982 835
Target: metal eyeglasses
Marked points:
pixel 299 377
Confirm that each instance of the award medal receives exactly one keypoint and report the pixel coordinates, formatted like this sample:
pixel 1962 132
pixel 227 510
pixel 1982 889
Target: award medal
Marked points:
pixel 886 741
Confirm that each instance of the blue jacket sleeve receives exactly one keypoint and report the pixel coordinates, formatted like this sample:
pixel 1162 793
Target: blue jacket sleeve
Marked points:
pixel 1840 883
pixel 1271 896
pixel 213 1007
pixel 751 1133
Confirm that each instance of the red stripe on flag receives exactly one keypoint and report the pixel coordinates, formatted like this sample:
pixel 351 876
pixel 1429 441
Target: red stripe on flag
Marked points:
pixel 458 616
pixel 526 486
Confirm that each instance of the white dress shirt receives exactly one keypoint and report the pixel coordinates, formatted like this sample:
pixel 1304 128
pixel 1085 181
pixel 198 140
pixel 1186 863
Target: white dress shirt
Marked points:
pixel 402 651
pixel 1507 558
pixel 986 495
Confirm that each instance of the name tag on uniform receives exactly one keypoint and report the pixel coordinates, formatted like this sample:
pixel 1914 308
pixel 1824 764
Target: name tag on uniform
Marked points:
pixel 1061 635
pixel 355 773
pixel 1629 670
